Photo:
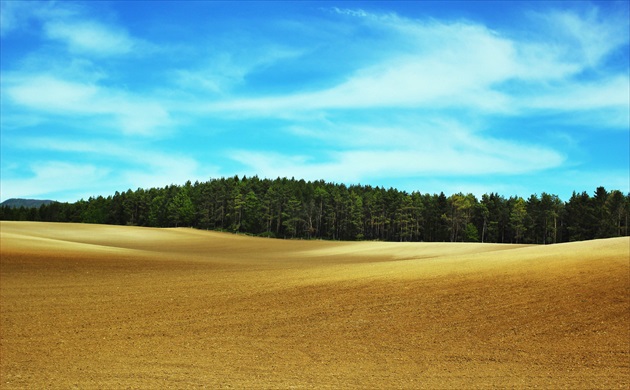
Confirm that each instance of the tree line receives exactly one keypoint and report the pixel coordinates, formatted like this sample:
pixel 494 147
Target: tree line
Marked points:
pixel 290 208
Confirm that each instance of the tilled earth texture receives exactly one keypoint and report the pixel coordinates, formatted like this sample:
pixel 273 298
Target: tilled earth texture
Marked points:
pixel 111 307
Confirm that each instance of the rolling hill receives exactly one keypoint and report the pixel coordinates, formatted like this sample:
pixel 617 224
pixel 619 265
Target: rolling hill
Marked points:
pixel 28 203
pixel 110 306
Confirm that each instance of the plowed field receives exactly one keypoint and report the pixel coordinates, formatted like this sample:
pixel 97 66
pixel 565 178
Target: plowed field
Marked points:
pixel 92 306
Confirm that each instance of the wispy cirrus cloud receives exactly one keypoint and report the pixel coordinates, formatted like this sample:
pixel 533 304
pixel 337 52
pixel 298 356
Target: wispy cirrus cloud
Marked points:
pixel 220 71
pixel 94 167
pixel 605 92
pixel 70 24
pixel 51 95
pixel 355 166
pixel 416 76
pixel 436 148
pixel 52 177
pixel 586 38
pixel 91 37
pixel 466 65
pixel 101 148
pixel 23 15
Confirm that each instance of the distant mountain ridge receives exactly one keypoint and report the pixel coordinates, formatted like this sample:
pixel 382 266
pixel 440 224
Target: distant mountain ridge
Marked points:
pixel 28 203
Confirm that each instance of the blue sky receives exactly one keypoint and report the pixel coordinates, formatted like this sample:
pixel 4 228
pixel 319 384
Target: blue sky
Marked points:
pixel 516 97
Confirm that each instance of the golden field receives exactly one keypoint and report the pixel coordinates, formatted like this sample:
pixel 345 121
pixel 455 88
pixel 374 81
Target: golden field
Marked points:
pixel 93 306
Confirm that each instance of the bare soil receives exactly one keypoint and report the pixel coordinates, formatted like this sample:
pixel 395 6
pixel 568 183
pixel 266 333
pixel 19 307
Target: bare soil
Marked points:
pixel 92 306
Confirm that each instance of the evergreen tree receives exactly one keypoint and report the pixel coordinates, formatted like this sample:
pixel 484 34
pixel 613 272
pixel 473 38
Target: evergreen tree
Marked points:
pixel 582 222
pixel 180 209
pixel 616 210
pixel 292 217
pixel 517 218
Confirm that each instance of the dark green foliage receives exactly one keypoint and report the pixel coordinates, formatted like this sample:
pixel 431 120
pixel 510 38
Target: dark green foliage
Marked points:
pixel 180 209
pixel 289 208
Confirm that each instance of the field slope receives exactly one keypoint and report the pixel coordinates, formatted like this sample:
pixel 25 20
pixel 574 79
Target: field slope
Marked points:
pixel 92 306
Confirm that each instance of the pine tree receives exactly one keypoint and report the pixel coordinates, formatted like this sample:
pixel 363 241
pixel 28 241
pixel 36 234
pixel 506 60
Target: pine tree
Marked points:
pixel 181 209
pixel 517 218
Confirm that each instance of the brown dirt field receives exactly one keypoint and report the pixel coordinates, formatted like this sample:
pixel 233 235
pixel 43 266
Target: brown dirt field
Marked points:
pixel 92 306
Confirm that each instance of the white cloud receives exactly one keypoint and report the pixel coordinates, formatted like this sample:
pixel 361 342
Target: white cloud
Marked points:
pixel 52 95
pixel 52 176
pixel 466 65
pixel 132 154
pixel 223 69
pixel 91 37
pixel 350 12
pixel 19 15
pixel 612 92
pixel 70 24
pixel 47 93
pixel 586 38
pixel 601 104
pixel 362 165
pixel 122 166
pixel 449 65
pixel 435 149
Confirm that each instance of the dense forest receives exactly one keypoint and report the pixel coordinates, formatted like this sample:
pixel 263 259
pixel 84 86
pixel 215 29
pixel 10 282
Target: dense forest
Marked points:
pixel 289 208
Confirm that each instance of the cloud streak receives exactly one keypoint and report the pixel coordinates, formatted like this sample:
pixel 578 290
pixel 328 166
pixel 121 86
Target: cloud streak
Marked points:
pixel 96 167
pixel 91 37
pixel 464 65
pixel 436 149
pixel 50 95
pixel 46 177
